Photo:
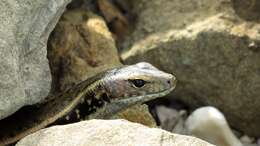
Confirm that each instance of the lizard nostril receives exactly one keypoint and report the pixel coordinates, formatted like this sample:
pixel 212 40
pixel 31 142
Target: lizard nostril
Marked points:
pixel 172 82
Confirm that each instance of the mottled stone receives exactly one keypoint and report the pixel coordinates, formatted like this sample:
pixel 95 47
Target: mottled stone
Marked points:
pixel 107 133
pixel 24 29
pixel 214 53
pixel 247 9
pixel 80 47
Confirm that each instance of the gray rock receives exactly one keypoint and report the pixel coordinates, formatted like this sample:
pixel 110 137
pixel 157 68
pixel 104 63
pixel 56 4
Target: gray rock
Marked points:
pixel 246 139
pixel 171 119
pixel 24 29
pixel 167 117
pixel 214 54
pixel 107 133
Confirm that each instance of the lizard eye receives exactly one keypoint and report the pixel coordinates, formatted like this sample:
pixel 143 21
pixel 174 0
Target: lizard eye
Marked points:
pixel 138 82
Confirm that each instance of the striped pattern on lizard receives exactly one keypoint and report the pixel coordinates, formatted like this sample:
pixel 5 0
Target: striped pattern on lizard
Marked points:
pixel 101 96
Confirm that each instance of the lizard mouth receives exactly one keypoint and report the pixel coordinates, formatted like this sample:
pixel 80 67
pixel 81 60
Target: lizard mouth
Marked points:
pixel 115 106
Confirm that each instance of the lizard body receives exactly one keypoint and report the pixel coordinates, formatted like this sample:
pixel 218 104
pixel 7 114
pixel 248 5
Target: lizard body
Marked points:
pixel 101 96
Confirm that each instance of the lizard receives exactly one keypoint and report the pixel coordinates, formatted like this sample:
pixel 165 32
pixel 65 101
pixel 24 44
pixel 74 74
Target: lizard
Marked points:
pixel 100 96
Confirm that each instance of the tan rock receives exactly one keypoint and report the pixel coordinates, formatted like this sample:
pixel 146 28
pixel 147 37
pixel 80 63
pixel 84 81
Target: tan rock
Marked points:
pixel 107 133
pixel 80 46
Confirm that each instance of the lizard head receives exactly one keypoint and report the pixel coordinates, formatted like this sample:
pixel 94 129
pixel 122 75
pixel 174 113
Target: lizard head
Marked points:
pixel 134 84
pixel 141 79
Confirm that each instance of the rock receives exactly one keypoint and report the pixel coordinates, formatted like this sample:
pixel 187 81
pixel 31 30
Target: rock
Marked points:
pixel 247 9
pixel 213 52
pixel 180 127
pixel 115 19
pixel 171 119
pixel 138 114
pixel 80 47
pixel 107 133
pixel 24 29
pixel 209 124
pixel 246 139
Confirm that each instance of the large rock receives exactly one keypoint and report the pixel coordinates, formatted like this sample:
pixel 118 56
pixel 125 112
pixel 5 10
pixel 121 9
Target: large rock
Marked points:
pixel 107 133
pixel 214 53
pixel 24 29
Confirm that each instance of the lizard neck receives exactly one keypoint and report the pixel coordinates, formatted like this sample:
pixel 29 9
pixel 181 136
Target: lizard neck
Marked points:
pixel 93 98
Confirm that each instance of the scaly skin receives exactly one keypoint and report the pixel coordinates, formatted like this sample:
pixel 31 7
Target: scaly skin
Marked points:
pixel 101 96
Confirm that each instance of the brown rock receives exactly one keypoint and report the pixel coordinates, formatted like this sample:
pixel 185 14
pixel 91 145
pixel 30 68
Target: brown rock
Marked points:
pixel 80 46
pixel 138 114
pixel 247 9
pixel 118 22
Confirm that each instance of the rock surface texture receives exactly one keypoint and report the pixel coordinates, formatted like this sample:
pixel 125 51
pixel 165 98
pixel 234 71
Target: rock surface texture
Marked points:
pixel 24 29
pixel 107 133
pixel 211 48
pixel 80 47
